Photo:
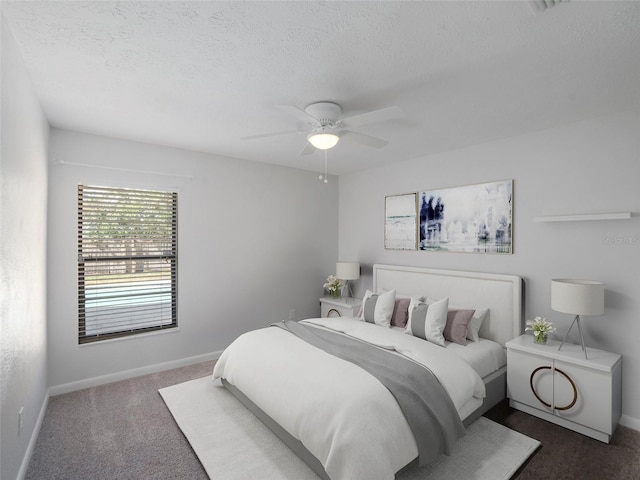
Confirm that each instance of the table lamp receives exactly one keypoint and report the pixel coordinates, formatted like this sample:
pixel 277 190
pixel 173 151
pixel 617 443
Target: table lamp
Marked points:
pixel 577 297
pixel 348 271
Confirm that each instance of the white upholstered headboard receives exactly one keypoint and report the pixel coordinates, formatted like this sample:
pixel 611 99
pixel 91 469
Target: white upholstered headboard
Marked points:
pixel 502 294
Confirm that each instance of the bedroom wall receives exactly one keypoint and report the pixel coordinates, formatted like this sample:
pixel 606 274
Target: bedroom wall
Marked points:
pixel 254 240
pixel 23 219
pixel 587 167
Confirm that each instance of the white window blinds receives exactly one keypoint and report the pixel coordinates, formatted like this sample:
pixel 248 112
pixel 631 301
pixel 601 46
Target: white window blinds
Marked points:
pixel 127 261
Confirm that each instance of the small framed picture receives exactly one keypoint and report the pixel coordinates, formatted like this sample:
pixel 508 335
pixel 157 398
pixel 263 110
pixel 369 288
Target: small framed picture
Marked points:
pixel 400 222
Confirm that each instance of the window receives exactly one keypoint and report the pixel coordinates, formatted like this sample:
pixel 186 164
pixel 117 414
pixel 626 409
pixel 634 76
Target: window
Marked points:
pixel 127 262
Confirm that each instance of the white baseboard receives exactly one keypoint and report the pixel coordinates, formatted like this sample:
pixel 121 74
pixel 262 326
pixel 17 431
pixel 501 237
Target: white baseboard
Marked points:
pixel 630 422
pixel 34 437
pixel 126 374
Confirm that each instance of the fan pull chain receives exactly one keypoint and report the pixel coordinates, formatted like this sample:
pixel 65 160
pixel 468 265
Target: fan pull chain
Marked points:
pixel 326 175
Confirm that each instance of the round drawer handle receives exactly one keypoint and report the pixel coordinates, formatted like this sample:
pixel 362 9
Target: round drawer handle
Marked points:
pixel 333 310
pixel 573 386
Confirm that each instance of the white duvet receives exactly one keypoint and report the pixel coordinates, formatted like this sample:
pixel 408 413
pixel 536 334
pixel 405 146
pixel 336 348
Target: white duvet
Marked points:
pixel 344 416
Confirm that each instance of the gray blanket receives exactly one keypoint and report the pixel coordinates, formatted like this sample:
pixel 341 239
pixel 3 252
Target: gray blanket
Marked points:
pixel 426 405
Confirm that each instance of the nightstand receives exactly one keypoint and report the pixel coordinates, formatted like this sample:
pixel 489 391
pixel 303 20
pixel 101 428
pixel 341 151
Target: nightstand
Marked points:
pixel 564 388
pixel 339 307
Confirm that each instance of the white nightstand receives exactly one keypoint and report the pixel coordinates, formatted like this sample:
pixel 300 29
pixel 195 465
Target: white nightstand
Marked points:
pixel 339 307
pixel 562 387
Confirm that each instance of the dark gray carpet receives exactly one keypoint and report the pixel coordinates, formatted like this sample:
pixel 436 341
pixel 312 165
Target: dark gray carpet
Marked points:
pixel 122 430
pixel 566 455
pixel 125 431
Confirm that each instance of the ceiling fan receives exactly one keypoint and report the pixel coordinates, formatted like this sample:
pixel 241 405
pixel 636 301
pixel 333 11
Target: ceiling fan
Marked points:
pixel 325 126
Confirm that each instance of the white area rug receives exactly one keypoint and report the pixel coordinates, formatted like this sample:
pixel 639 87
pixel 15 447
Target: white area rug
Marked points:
pixel 233 444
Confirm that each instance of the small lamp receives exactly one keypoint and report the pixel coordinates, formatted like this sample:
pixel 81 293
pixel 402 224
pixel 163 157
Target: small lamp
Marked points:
pixel 577 297
pixel 348 271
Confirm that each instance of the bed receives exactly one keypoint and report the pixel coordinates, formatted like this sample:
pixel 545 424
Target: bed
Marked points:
pixel 344 421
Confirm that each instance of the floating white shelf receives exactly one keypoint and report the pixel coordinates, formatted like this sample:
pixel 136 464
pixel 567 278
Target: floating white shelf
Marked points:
pixel 584 217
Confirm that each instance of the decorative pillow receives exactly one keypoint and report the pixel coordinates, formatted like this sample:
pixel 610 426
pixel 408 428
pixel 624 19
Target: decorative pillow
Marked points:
pixel 400 314
pixel 457 325
pixel 476 321
pixel 378 308
pixel 427 321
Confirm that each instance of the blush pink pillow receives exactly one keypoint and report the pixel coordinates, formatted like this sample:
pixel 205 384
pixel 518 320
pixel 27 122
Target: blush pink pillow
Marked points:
pixel 400 312
pixel 458 320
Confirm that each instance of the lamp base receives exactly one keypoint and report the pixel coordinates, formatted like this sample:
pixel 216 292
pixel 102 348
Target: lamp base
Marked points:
pixel 577 321
pixel 347 287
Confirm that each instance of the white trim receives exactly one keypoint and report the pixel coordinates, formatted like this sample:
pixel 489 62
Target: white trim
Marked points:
pixel 135 336
pixel 630 422
pixel 126 374
pixel 34 437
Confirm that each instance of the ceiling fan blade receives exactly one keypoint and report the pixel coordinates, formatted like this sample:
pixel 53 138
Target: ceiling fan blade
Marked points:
pixel 301 115
pixel 308 149
pixel 272 134
pixel 382 115
pixel 367 140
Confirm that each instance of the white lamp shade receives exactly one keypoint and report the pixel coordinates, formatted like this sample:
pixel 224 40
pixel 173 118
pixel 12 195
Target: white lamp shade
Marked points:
pixel 348 270
pixel 578 297
pixel 323 141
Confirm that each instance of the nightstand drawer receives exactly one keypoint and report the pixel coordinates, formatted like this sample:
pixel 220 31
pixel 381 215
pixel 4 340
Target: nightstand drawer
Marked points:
pixel 592 392
pixel 521 378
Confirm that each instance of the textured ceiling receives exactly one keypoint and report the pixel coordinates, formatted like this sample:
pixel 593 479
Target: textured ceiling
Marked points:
pixel 201 75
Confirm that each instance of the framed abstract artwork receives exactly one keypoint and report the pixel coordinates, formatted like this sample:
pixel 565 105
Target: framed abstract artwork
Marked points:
pixel 400 222
pixel 471 218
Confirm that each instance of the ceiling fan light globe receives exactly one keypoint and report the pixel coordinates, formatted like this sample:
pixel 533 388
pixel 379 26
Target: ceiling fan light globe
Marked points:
pixel 323 141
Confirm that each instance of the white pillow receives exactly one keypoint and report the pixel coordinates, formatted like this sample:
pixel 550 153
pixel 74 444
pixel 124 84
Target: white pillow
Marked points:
pixel 476 321
pixel 378 308
pixel 427 320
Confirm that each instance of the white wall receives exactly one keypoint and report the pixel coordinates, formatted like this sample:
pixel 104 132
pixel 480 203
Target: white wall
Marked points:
pixel 587 167
pixel 23 219
pixel 254 241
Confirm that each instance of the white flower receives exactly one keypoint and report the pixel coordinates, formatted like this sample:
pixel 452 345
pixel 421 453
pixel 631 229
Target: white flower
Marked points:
pixel 333 283
pixel 540 326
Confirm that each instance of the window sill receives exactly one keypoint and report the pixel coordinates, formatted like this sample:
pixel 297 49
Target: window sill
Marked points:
pixel 131 337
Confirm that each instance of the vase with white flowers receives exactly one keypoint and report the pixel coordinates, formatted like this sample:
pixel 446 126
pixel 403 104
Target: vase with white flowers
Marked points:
pixel 541 328
pixel 334 286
